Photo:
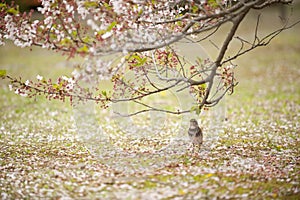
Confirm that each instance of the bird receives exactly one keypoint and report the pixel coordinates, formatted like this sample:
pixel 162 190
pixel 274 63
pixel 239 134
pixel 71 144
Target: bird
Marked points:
pixel 195 133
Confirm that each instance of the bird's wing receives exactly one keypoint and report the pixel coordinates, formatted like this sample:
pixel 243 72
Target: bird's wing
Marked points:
pixel 198 132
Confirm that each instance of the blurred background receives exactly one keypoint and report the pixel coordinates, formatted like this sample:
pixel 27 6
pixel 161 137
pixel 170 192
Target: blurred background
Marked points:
pixel 26 5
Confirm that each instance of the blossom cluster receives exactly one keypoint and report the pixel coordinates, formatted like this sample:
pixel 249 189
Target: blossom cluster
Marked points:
pixel 98 27
pixel 64 88
pixel 227 75
pixel 137 35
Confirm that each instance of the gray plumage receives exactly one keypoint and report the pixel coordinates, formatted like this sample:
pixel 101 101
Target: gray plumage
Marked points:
pixel 195 133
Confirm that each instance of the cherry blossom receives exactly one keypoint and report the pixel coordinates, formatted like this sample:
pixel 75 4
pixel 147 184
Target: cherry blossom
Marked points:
pixel 142 32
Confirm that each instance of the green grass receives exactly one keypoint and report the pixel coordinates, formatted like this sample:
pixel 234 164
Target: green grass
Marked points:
pixel 46 151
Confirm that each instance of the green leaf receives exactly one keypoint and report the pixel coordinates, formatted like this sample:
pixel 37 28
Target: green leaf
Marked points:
pixel 203 86
pixel 65 41
pixel 90 4
pixel 195 9
pixel 170 55
pixel 54 5
pixel 195 109
pixel 104 93
pixel 3 5
pixel 140 61
pixel 135 56
pixel 101 32
pixel 2 73
pixel 56 86
pixel 74 33
pixel 111 26
pixel 213 3
pixel 106 5
pixel 140 12
pixel 13 11
pixel 86 39
pixel 83 49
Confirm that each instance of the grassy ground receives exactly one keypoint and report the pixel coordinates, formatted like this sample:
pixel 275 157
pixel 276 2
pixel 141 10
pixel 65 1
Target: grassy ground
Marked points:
pixel 50 150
